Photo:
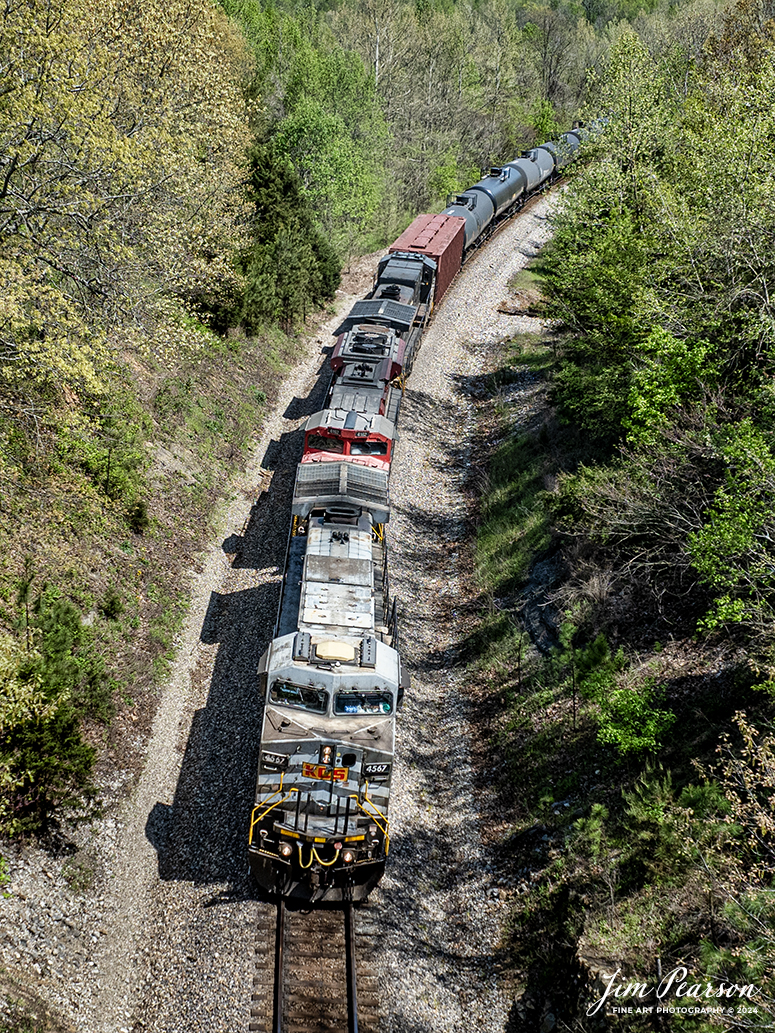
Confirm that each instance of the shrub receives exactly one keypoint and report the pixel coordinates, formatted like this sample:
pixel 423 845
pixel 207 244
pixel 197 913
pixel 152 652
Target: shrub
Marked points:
pixel 45 691
pixel 51 766
pixel 112 605
pixel 137 517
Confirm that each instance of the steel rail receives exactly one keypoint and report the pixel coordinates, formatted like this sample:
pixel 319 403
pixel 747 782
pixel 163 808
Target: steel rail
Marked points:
pixel 350 968
pixel 277 1006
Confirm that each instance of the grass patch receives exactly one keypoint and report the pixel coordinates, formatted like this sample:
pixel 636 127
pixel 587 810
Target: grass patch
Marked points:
pixel 165 624
pixel 525 279
pixel 79 872
pixel 514 519
pixel 23 1009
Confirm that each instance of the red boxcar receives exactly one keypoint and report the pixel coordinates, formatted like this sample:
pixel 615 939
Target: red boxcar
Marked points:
pixel 439 237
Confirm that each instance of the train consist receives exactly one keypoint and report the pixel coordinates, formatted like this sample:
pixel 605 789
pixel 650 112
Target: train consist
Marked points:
pixel 332 679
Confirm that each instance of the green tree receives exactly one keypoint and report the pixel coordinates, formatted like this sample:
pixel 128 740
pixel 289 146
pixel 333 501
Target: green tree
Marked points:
pixel 733 551
pixel 122 138
pixel 291 263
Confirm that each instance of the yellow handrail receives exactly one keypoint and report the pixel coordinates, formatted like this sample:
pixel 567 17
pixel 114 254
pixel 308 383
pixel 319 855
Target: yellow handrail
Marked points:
pixel 255 819
pixel 378 818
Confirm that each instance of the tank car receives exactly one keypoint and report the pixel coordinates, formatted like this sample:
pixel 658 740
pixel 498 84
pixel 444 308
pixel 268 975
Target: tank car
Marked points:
pixel 567 146
pixel 503 186
pixel 478 210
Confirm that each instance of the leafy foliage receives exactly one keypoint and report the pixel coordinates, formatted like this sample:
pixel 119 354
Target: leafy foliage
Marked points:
pixel 291 262
pixel 384 107
pixel 659 271
pixel 121 132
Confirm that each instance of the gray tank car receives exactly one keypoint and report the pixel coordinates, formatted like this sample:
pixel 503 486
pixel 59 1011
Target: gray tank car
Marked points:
pixel 503 186
pixel 476 208
pixel 567 146
pixel 545 159
pixel 529 171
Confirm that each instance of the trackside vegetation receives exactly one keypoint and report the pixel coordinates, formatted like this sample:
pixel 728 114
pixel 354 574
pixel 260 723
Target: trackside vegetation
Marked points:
pixel 637 741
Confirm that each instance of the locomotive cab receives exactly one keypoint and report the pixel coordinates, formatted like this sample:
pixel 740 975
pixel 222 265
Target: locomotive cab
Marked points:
pixel 334 435
pixel 319 829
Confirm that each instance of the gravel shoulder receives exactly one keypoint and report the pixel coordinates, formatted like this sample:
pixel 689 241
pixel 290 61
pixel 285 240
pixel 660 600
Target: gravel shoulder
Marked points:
pixel 110 937
pixel 150 925
pixel 440 902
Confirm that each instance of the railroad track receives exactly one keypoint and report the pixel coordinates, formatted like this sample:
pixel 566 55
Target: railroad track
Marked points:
pixel 314 971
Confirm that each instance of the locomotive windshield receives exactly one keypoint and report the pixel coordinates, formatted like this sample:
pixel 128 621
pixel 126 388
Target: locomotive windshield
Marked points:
pixel 324 443
pixel 368 448
pixel 363 703
pixel 290 695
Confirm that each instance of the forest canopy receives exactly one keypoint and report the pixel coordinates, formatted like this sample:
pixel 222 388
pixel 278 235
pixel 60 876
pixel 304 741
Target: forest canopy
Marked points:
pixel 123 133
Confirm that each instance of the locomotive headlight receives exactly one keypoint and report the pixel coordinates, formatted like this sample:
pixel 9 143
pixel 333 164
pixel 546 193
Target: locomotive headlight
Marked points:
pixel 348 856
pixel 286 850
pixel 327 755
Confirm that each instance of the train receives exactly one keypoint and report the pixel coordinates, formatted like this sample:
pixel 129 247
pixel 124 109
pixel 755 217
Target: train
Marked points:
pixel 332 680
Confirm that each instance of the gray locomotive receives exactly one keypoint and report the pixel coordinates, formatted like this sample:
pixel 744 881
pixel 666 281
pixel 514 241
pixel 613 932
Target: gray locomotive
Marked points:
pixel 333 682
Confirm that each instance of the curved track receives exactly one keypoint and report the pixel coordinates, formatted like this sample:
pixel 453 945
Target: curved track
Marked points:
pixel 168 945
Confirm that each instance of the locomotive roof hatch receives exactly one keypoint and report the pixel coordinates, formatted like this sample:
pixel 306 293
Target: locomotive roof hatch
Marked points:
pixel 383 312
pixel 360 373
pixel 362 397
pixel 341 652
